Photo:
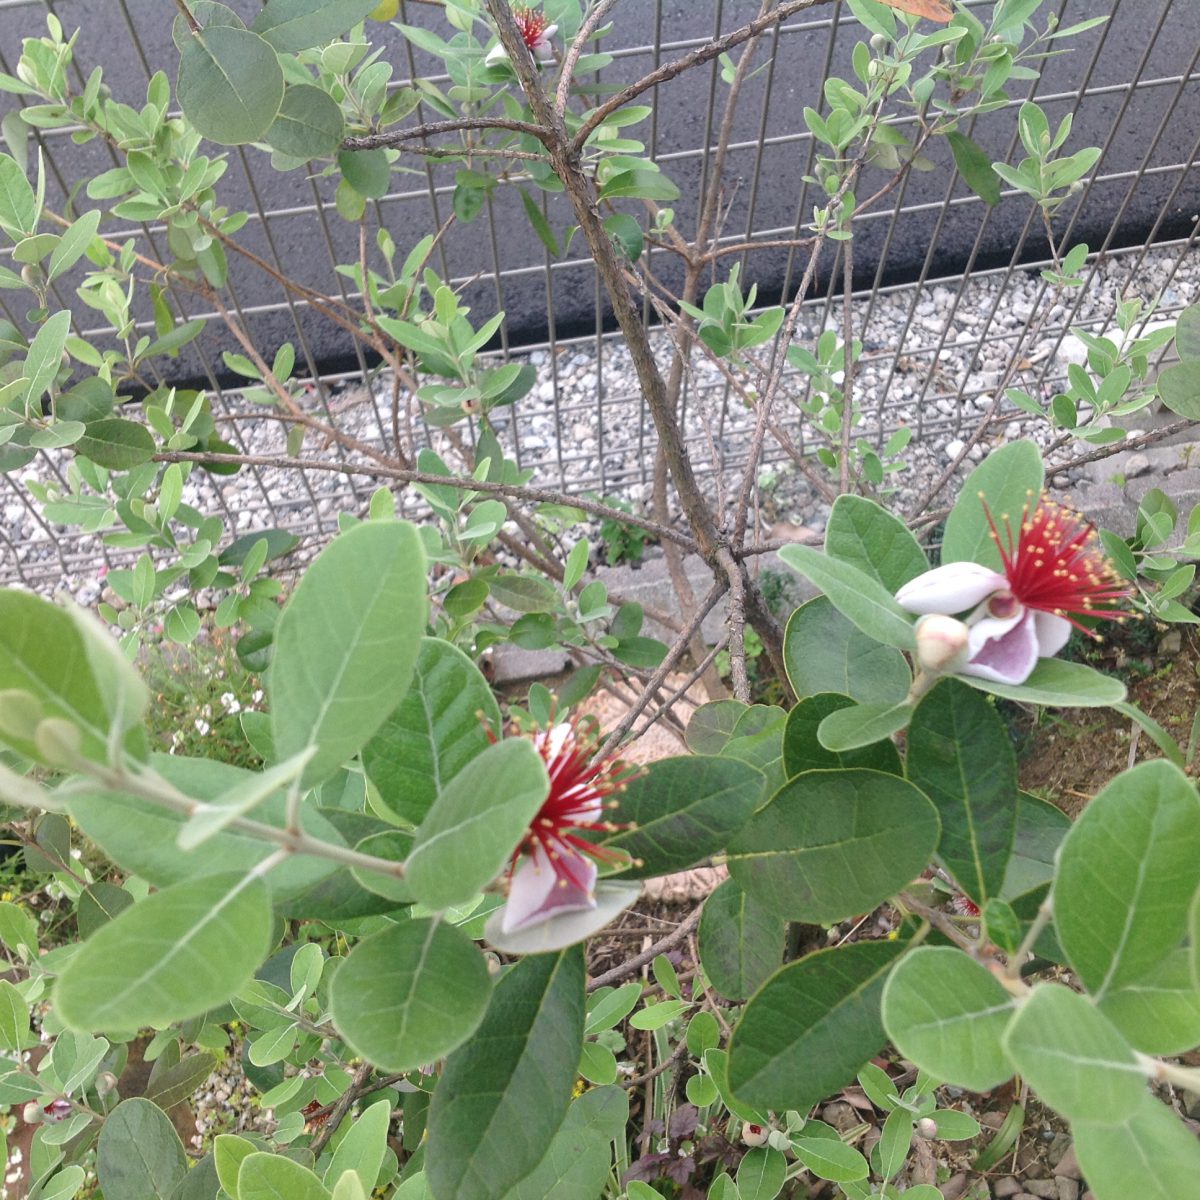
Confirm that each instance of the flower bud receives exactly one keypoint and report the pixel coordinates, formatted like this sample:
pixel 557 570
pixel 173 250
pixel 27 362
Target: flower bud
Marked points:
pixel 754 1135
pixel 927 1127
pixel 31 1114
pixel 942 643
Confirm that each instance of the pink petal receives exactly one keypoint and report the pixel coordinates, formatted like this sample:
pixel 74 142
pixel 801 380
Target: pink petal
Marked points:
pixel 1005 651
pixel 536 893
pixel 1053 633
pixel 951 588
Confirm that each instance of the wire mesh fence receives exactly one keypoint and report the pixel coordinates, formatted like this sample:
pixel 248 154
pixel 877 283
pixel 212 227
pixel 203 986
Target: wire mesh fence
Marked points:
pixel 946 289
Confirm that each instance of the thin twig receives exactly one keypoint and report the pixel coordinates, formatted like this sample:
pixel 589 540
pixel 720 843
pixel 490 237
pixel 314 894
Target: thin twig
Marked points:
pixel 633 965
pixel 338 1113
pixel 394 137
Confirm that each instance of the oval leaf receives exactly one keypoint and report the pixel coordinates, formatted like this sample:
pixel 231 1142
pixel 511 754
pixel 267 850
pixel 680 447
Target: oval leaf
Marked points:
pixel 503 1096
pixel 741 941
pixel 948 1014
pixel 683 809
pixel 175 955
pixel 830 844
pixel 346 644
pixel 139 1155
pixel 811 1026
pixel 230 84
pixel 802 750
pixel 411 994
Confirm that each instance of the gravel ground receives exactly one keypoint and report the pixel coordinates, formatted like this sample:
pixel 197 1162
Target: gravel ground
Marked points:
pixel 583 428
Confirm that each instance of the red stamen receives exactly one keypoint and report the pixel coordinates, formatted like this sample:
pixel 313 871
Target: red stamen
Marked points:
pixel 1055 564
pixel 531 24
pixel 577 801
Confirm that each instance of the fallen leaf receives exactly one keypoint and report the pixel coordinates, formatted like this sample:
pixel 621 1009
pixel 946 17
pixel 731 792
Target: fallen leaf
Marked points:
pixel 933 10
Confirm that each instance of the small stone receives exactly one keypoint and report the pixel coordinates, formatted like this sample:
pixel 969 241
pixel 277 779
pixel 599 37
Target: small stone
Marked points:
pixel 1072 350
pixel 955 1186
pixel 1047 1189
pixel 1068 1189
pixel 840 1115
pixel 1170 644
pixel 954 448
pixel 1137 464
pixel 1008 1186
pixel 1068 1165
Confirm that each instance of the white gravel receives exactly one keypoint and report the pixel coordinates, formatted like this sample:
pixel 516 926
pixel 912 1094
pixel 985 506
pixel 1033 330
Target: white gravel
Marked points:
pixel 583 426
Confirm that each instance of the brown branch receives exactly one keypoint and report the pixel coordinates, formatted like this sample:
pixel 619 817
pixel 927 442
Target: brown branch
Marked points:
pixel 635 964
pixel 589 26
pixel 394 137
pixel 403 475
pixel 1133 443
pixel 667 1063
pixel 703 54
pixel 338 1113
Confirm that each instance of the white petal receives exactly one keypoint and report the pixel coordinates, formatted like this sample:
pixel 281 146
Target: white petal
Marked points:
pixel 1053 633
pixel 951 588
pixel 536 893
pixel 495 56
pixel 1005 651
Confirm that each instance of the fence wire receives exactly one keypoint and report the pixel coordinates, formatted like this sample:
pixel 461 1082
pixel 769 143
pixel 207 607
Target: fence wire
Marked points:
pixel 946 288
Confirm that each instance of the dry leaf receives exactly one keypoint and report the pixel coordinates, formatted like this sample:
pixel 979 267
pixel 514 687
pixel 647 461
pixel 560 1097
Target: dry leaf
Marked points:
pixel 933 10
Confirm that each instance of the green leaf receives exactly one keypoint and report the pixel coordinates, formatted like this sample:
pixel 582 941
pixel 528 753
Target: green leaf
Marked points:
pixel 682 810
pixel 1039 832
pixel 823 651
pixel 179 1083
pixel 309 124
pixel 852 728
pixel 410 994
pixel 830 844
pixel 368 172
pixel 524 593
pixel 292 25
pixel 741 941
pixel 948 1014
pixel 1073 1056
pixel 230 84
pixel 868 537
pixel 175 955
pixel 503 1096
pixel 861 599
pixel 831 1158
pixel 641 184
pixel 14 1018
pixel 44 359
pixel 18 204
pixel 139 1155
pixel 975 166
pixel 1159 1013
pixel 265 1176
pixel 1179 388
pixel 346 644
pixel 761 1174
pixel 116 444
pixel 439 727
pixel 1009 479
pixel 811 1026
pixel 229 1152
pixel 74 243
pixel 1150 1154
pixel 476 823
pixel 712 725
pixel 1058 683
pixel 1127 872
pixel 577 1164
pixel 960 755
pixel 68 669
pixel 627 234
pixel 802 750
pixel 364 1147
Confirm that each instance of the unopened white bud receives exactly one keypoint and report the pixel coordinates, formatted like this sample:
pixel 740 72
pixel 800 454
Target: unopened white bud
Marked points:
pixel 31 1114
pixel 942 643
pixel 927 1127
pixel 754 1135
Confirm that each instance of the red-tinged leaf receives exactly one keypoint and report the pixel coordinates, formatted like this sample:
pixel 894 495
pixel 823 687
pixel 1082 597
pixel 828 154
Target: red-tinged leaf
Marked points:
pixel 932 10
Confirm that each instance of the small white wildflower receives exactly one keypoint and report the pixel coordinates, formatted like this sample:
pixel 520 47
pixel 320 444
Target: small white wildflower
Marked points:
pixel 202 727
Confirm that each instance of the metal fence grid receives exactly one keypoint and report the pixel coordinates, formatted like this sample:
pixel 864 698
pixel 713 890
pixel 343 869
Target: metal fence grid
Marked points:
pixel 1134 79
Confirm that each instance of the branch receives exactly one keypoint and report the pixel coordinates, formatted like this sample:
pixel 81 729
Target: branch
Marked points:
pixel 672 939
pixel 669 70
pixel 401 475
pixel 395 137
pixel 576 50
pixel 358 1087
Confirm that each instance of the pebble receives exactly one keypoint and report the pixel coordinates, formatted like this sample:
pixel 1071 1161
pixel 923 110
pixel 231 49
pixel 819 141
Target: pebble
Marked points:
pixel 1068 1189
pixel 1067 1167
pixel 1047 1189
pixel 1007 1186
